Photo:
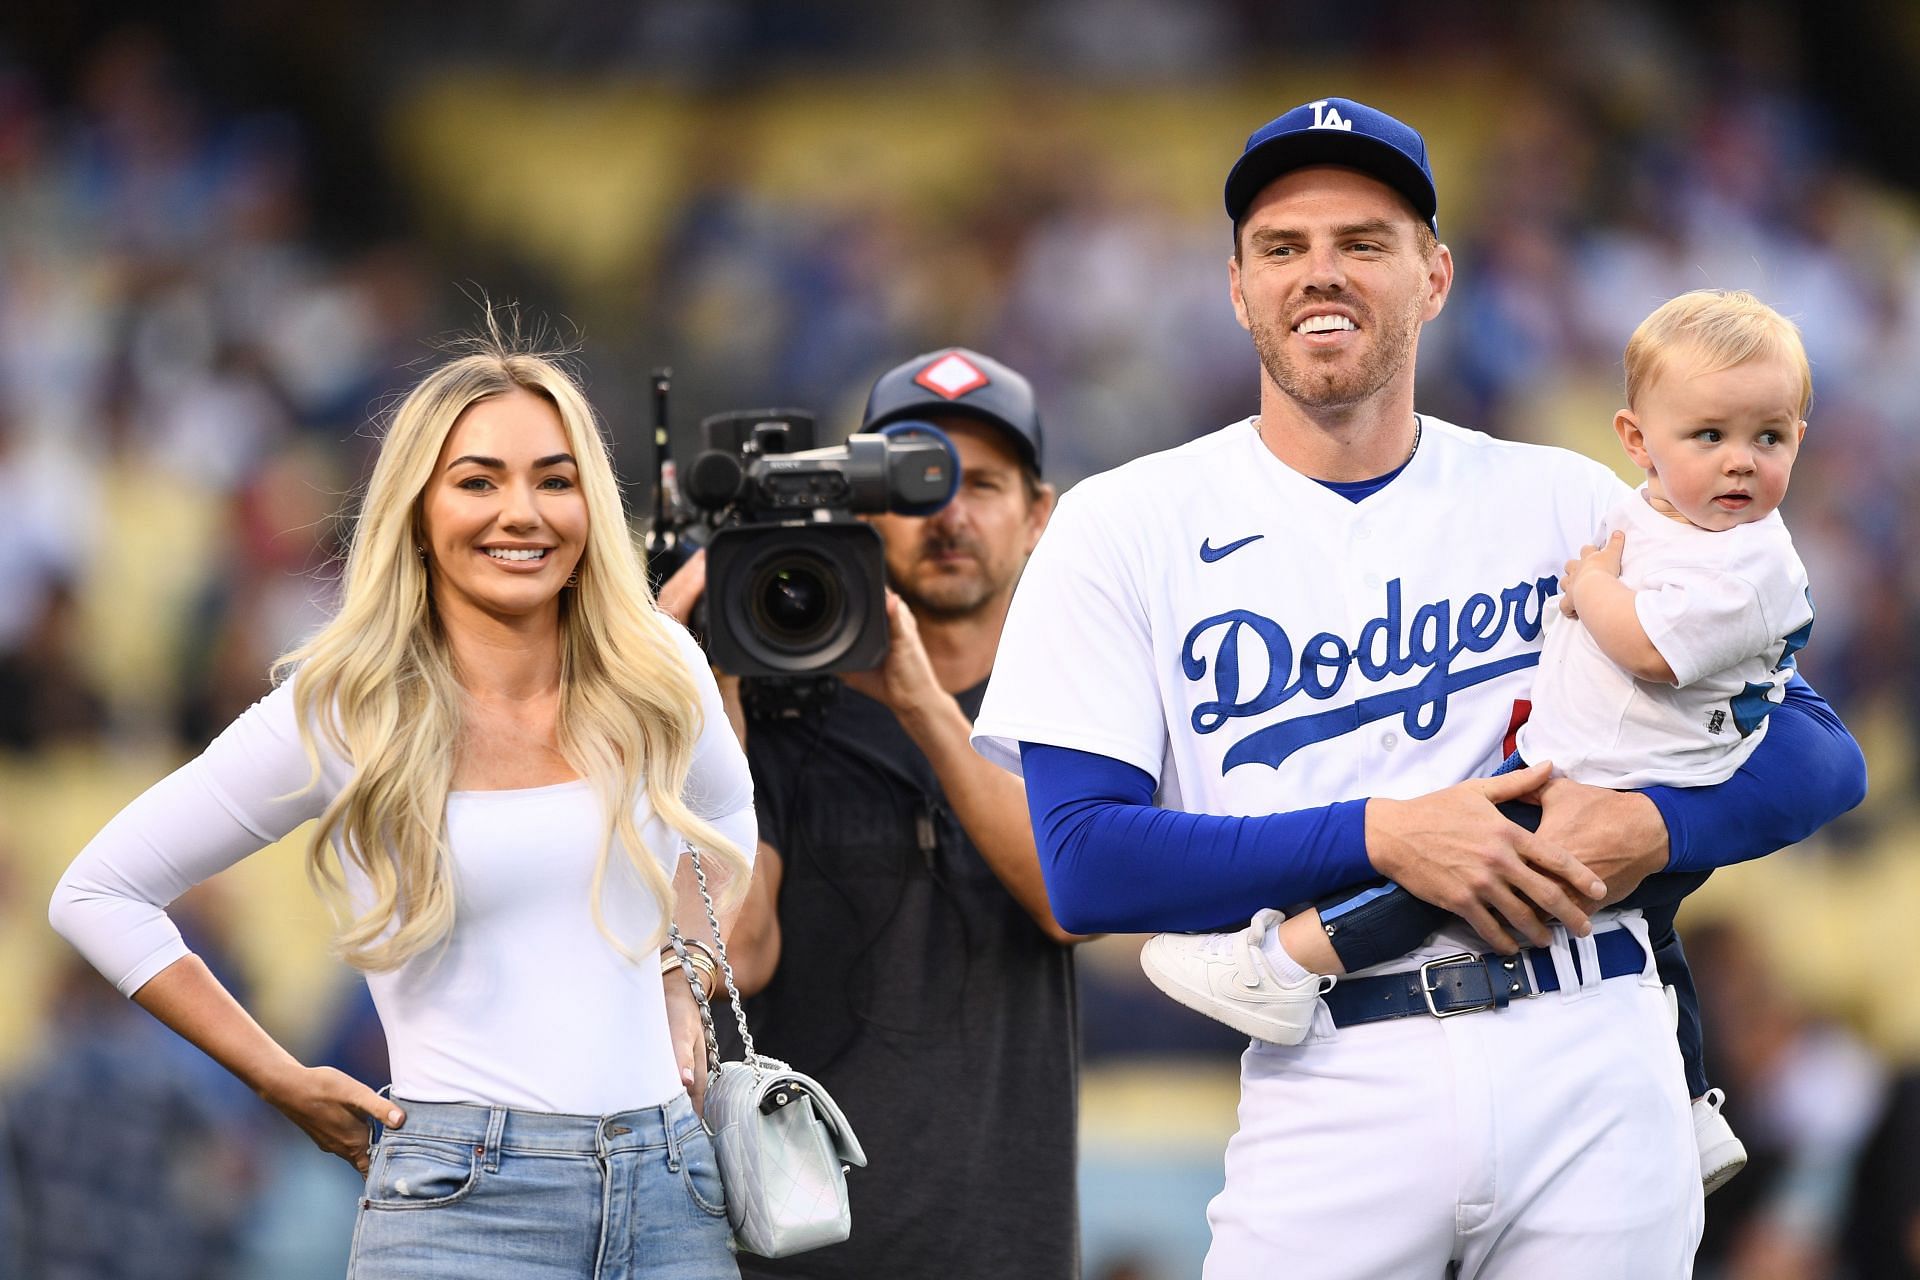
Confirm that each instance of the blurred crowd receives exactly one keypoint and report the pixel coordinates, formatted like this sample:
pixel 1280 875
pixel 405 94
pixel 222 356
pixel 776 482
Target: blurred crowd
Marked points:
pixel 185 372
pixel 189 361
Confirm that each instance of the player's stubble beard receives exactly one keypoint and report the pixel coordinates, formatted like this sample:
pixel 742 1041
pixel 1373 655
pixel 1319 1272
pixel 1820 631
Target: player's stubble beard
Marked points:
pixel 1317 386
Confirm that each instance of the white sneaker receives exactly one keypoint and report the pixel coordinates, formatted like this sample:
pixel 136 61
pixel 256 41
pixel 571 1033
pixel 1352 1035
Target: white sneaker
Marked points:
pixel 1225 976
pixel 1722 1154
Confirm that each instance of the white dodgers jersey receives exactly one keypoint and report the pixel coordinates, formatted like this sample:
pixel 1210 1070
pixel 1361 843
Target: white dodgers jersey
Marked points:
pixel 1258 643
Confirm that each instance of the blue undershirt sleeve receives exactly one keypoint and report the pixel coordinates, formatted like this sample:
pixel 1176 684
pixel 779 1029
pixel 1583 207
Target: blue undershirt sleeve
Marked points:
pixel 1114 863
pixel 1807 771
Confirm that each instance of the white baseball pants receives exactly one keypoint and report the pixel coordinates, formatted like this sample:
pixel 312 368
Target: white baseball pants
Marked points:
pixel 1551 1138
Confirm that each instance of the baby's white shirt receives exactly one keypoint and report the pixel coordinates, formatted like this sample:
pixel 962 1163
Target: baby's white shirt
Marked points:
pixel 1726 610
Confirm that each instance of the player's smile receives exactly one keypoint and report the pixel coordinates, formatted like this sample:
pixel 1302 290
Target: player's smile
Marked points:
pixel 1324 328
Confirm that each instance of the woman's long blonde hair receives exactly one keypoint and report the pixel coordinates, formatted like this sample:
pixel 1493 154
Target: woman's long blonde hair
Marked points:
pixel 378 681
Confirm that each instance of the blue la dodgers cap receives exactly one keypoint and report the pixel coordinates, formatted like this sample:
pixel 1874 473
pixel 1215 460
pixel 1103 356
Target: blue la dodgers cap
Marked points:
pixel 1336 131
pixel 956 380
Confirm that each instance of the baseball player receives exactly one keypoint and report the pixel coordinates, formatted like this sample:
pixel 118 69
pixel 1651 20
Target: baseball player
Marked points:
pixel 1684 638
pixel 1257 668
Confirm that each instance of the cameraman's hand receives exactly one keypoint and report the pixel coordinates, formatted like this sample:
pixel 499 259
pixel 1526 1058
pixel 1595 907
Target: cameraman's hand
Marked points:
pixel 905 681
pixel 680 593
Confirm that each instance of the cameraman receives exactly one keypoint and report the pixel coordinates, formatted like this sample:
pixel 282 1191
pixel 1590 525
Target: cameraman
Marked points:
pixel 897 932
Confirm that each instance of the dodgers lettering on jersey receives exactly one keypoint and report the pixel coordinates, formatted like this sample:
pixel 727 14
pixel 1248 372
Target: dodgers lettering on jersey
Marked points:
pixel 1258 643
pixel 1386 647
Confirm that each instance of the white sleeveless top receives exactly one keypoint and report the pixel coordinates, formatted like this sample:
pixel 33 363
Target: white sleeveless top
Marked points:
pixel 526 1004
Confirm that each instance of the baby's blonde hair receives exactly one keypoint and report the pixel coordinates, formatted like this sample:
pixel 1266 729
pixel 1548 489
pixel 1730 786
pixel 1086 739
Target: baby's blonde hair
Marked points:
pixel 1721 328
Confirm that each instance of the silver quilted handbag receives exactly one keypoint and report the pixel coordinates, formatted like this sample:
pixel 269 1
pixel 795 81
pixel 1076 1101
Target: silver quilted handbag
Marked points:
pixel 782 1143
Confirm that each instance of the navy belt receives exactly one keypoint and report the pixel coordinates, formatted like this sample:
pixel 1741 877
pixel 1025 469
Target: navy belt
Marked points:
pixel 1468 983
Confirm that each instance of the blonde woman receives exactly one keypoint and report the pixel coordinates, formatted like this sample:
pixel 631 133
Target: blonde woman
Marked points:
pixel 505 744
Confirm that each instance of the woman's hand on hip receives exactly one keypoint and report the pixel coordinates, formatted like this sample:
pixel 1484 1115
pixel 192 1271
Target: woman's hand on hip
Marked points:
pixel 333 1109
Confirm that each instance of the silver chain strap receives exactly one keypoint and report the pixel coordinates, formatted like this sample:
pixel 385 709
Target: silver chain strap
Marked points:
pixel 726 972
pixel 699 996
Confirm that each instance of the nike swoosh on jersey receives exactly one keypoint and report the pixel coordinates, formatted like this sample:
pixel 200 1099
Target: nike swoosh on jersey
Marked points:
pixel 1210 554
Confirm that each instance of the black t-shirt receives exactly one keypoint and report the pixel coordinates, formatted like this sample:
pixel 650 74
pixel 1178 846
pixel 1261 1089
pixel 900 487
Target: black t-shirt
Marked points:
pixel 918 991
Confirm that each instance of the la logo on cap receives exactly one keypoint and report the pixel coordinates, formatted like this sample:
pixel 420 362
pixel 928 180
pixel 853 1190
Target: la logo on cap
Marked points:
pixel 1330 118
pixel 952 376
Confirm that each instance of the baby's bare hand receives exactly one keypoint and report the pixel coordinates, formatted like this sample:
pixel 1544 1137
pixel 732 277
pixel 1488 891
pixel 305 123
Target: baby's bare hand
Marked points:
pixel 1602 562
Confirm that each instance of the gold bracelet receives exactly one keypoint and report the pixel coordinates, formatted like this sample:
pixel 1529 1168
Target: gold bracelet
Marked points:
pixel 703 967
pixel 670 962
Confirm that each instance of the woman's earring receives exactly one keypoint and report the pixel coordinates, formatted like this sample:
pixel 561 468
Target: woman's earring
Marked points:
pixel 573 579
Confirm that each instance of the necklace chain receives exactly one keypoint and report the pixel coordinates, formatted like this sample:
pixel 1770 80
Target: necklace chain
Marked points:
pixel 1259 430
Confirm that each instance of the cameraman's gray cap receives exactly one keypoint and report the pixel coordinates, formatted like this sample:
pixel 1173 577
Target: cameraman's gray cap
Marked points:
pixel 956 380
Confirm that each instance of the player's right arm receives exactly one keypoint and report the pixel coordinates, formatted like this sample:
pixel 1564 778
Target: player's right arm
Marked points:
pixel 1116 862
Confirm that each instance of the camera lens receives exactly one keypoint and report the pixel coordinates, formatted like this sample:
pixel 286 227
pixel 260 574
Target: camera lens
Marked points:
pixel 799 598
pixel 796 601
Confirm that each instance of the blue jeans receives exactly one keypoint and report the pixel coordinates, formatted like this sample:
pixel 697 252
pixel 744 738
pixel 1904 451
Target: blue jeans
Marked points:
pixel 488 1193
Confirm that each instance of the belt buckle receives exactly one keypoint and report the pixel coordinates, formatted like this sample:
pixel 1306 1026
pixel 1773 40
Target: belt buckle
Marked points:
pixel 1427 988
